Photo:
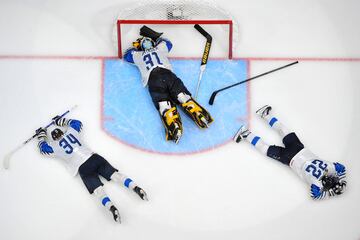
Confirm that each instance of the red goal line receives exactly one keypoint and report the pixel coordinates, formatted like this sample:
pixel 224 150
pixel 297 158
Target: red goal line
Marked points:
pixel 135 21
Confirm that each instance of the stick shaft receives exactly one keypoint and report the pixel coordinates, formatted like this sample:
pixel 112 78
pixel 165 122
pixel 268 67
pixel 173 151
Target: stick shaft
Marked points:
pixel 213 95
pixel 205 55
pixel 6 160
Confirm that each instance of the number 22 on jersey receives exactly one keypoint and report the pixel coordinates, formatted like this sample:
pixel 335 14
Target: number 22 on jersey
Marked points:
pixel 149 60
pixel 68 142
pixel 316 168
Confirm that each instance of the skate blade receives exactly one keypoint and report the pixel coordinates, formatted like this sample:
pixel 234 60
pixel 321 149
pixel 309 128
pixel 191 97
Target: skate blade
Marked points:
pixel 261 110
pixel 237 137
pixel 177 139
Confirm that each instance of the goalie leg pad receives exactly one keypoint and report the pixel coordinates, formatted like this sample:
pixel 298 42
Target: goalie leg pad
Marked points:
pixel 197 113
pixel 172 123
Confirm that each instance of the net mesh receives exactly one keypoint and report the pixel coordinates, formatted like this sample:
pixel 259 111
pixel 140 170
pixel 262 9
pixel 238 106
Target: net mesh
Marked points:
pixel 177 10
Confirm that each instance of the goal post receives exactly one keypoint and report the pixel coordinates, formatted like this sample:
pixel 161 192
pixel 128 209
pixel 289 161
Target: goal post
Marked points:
pixel 121 22
pixel 176 19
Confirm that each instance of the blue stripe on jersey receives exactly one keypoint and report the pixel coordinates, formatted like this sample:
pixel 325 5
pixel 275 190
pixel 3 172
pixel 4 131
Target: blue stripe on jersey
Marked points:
pixel 127 182
pixel 168 44
pixel 105 200
pixel 255 140
pixel 128 56
pixel 273 121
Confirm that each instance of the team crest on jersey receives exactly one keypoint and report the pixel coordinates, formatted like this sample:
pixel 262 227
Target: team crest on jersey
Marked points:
pixel 129 115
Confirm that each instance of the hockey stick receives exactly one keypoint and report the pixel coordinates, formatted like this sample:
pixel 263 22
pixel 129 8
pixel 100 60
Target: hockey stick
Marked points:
pixel 6 160
pixel 205 55
pixel 213 95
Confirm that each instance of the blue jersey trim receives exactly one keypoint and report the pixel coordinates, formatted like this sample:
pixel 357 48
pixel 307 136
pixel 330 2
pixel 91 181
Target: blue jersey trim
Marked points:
pixel 128 56
pixel 105 200
pixel 167 42
pixel 127 182
pixel 255 140
pixel 273 121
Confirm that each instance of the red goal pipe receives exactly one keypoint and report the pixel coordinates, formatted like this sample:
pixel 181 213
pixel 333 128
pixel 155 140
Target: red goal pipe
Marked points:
pixel 121 21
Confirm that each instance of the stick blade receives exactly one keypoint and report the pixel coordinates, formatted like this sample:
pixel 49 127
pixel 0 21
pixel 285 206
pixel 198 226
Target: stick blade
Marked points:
pixel 212 98
pixel 6 161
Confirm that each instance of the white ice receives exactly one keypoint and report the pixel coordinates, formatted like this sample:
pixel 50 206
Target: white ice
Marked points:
pixel 230 193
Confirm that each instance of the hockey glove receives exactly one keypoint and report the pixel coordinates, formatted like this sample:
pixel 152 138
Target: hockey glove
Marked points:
pixel 41 134
pixel 142 194
pixel 45 148
pixel 75 124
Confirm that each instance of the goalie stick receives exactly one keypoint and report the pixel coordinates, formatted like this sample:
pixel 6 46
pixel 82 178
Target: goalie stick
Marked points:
pixel 213 95
pixel 205 55
pixel 6 160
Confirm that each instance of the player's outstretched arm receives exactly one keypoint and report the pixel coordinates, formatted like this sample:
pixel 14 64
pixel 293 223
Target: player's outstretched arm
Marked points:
pixel 165 43
pixel 43 145
pixel 130 184
pixel 64 122
pixel 128 56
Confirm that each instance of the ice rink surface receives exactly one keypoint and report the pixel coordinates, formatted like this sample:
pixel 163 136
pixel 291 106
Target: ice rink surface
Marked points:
pixel 53 55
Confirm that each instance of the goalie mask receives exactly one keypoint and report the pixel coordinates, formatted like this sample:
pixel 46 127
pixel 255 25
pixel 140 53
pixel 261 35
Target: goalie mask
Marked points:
pixel 56 134
pixel 146 43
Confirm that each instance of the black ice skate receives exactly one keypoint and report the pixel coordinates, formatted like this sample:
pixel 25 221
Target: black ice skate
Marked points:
pixel 264 111
pixel 115 214
pixel 197 113
pixel 241 134
pixel 172 123
pixel 142 194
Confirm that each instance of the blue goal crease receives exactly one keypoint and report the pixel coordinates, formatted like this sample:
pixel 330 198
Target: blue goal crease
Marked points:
pixel 131 117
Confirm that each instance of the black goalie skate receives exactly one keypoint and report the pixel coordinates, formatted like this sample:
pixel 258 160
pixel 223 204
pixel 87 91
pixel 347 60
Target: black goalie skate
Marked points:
pixel 197 113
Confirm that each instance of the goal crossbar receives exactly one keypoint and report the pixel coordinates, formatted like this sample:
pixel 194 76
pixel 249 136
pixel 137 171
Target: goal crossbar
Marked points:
pixel 135 21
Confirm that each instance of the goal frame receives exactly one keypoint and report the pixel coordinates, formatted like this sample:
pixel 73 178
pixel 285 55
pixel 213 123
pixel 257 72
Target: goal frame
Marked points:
pixel 142 21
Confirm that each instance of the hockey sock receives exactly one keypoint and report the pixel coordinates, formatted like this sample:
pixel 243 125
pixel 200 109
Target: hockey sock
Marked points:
pixel 275 124
pixel 259 144
pixel 126 181
pixel 102 196
pixel 183 97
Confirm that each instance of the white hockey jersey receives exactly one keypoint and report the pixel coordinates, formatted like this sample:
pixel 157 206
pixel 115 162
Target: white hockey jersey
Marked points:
pixel 311 169
pixel 71 150
pixel 147 60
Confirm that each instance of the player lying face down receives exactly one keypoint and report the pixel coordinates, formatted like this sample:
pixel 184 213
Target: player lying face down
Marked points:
pixel 149 54
pixel 64 142
pixel 326 179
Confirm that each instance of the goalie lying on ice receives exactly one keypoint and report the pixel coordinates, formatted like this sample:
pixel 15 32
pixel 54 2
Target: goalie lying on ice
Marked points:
pixel 326 179
pixel 165 88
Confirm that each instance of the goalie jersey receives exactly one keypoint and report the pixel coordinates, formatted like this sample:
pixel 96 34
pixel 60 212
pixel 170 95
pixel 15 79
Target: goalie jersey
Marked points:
pixel 311 169
pixel 148 60
pixel 71 150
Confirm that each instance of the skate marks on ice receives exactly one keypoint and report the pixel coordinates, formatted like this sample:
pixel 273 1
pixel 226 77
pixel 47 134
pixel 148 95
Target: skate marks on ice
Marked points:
pixel 129 115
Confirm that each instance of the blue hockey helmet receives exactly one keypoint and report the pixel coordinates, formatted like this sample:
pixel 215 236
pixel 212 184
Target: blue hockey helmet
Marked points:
pixel 147 43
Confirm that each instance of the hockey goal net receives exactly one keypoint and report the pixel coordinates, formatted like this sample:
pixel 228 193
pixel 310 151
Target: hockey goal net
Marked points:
pixel 176 19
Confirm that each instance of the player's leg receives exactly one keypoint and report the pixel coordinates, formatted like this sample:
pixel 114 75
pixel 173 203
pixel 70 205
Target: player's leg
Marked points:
pixel 167 109
pixel 244 134
pixel 90 178
pixel 105 200
pixel 274 152
pixel 265 113
pixel 193 109
pixel 130 184
pixel 106 170
pixel 292 143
